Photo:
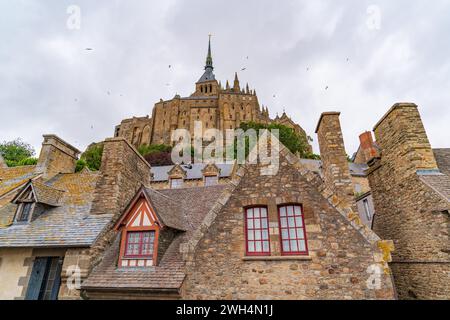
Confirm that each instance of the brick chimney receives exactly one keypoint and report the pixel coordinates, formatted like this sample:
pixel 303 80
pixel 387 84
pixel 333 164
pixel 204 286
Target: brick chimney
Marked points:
pixel 403 142
pixel 123 172
pixel 335 167
pixel 57 156
pixel 367 146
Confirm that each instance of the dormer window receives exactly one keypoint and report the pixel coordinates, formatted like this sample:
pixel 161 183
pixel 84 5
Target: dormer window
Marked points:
pixel 24 211
pixel 176 183
pixel 34 198
pixel 140 231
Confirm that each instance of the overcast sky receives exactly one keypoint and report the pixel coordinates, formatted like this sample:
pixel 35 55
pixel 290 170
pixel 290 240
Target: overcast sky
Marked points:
pixel 369 54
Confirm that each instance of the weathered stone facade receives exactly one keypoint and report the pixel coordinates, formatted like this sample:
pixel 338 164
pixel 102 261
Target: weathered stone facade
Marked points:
pixel 408 211
pixel 336 267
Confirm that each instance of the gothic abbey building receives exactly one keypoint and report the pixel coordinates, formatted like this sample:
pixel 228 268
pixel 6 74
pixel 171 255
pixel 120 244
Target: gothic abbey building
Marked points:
pixel 211 103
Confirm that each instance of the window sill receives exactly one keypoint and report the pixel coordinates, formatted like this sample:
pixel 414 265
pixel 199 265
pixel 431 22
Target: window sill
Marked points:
pixel 278 258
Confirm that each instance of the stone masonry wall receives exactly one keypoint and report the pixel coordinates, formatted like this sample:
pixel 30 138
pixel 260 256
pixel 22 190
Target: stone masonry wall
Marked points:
pixel 335 168
pixel 408 211
pixel 336 267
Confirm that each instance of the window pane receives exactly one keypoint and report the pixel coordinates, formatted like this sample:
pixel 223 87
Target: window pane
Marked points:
pixel 250 235
pixel 257 234
pixel 298 211
pixel 301 246
pixel 263 212
pixel 283 211
pixel 291 221
pixel 298 221
pixel 284 234
pixel 258 246
pixel 300 233
pixel 264 223
pixel 257 223
pixel 290 211
pixel 283 222
pixel 294 246
pixel 265 235
pixel 256 212
pixel 292 234
pixel 251 246
pixel 249 213
pixel 266 247
pixel 286 246
pixel 250 224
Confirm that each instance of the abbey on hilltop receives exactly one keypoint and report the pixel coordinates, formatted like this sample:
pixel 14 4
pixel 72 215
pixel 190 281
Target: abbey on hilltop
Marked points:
pixel 211 103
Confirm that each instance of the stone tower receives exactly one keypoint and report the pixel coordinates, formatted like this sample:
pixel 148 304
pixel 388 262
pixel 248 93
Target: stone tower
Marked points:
pixel 411 208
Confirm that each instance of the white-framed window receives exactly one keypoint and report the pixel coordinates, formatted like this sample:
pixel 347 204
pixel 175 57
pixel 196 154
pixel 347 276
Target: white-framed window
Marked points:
pixel 292 230
pixel 211 180
pixel 176 183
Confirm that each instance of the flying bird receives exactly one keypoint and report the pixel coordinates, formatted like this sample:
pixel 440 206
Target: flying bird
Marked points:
pixel 243 69
pixel 326 88
pixel 89 49
pixel 170 66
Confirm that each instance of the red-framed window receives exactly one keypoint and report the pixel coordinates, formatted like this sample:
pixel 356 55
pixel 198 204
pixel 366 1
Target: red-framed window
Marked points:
pixel 139 244
pixel 257 231
pixel 292 230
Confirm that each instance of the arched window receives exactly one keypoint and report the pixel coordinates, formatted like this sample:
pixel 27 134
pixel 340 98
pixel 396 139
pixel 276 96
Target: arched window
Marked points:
pixel 257 231
pixel 201 89
pixel 292 230
pixel 210 88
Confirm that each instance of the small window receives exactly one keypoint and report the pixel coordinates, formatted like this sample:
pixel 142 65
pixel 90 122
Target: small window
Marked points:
pixel 24 212
pixel 367 209
pixel 176 183
pixel 211 181
pixel 140 244
pixel 292 230
pixel 257 232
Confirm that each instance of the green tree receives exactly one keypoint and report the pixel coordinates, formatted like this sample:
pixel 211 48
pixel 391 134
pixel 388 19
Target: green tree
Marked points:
pixel 296 143
pixel 153 148
pixel 17 153
pixel 91 158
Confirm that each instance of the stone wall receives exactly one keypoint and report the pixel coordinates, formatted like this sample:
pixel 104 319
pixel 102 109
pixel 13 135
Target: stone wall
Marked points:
pixel 123 172
pixel 336 267
pixel 408 211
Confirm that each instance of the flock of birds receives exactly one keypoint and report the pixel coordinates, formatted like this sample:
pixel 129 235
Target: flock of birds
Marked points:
pixel 170 67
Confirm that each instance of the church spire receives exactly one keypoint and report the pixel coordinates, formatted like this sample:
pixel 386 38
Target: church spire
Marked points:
pixel 236 86
pixel 209 60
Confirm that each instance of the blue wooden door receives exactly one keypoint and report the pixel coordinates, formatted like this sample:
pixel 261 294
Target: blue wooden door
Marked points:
pixel 36 278
pixel 45 279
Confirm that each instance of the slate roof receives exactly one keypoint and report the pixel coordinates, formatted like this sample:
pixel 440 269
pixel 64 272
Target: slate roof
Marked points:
pixel 68 225
pixel 160 174
pixel 443 160
pixel 12 178
pixel 169 274
pixel 437 181
pixel 169 211
pixel 46 195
